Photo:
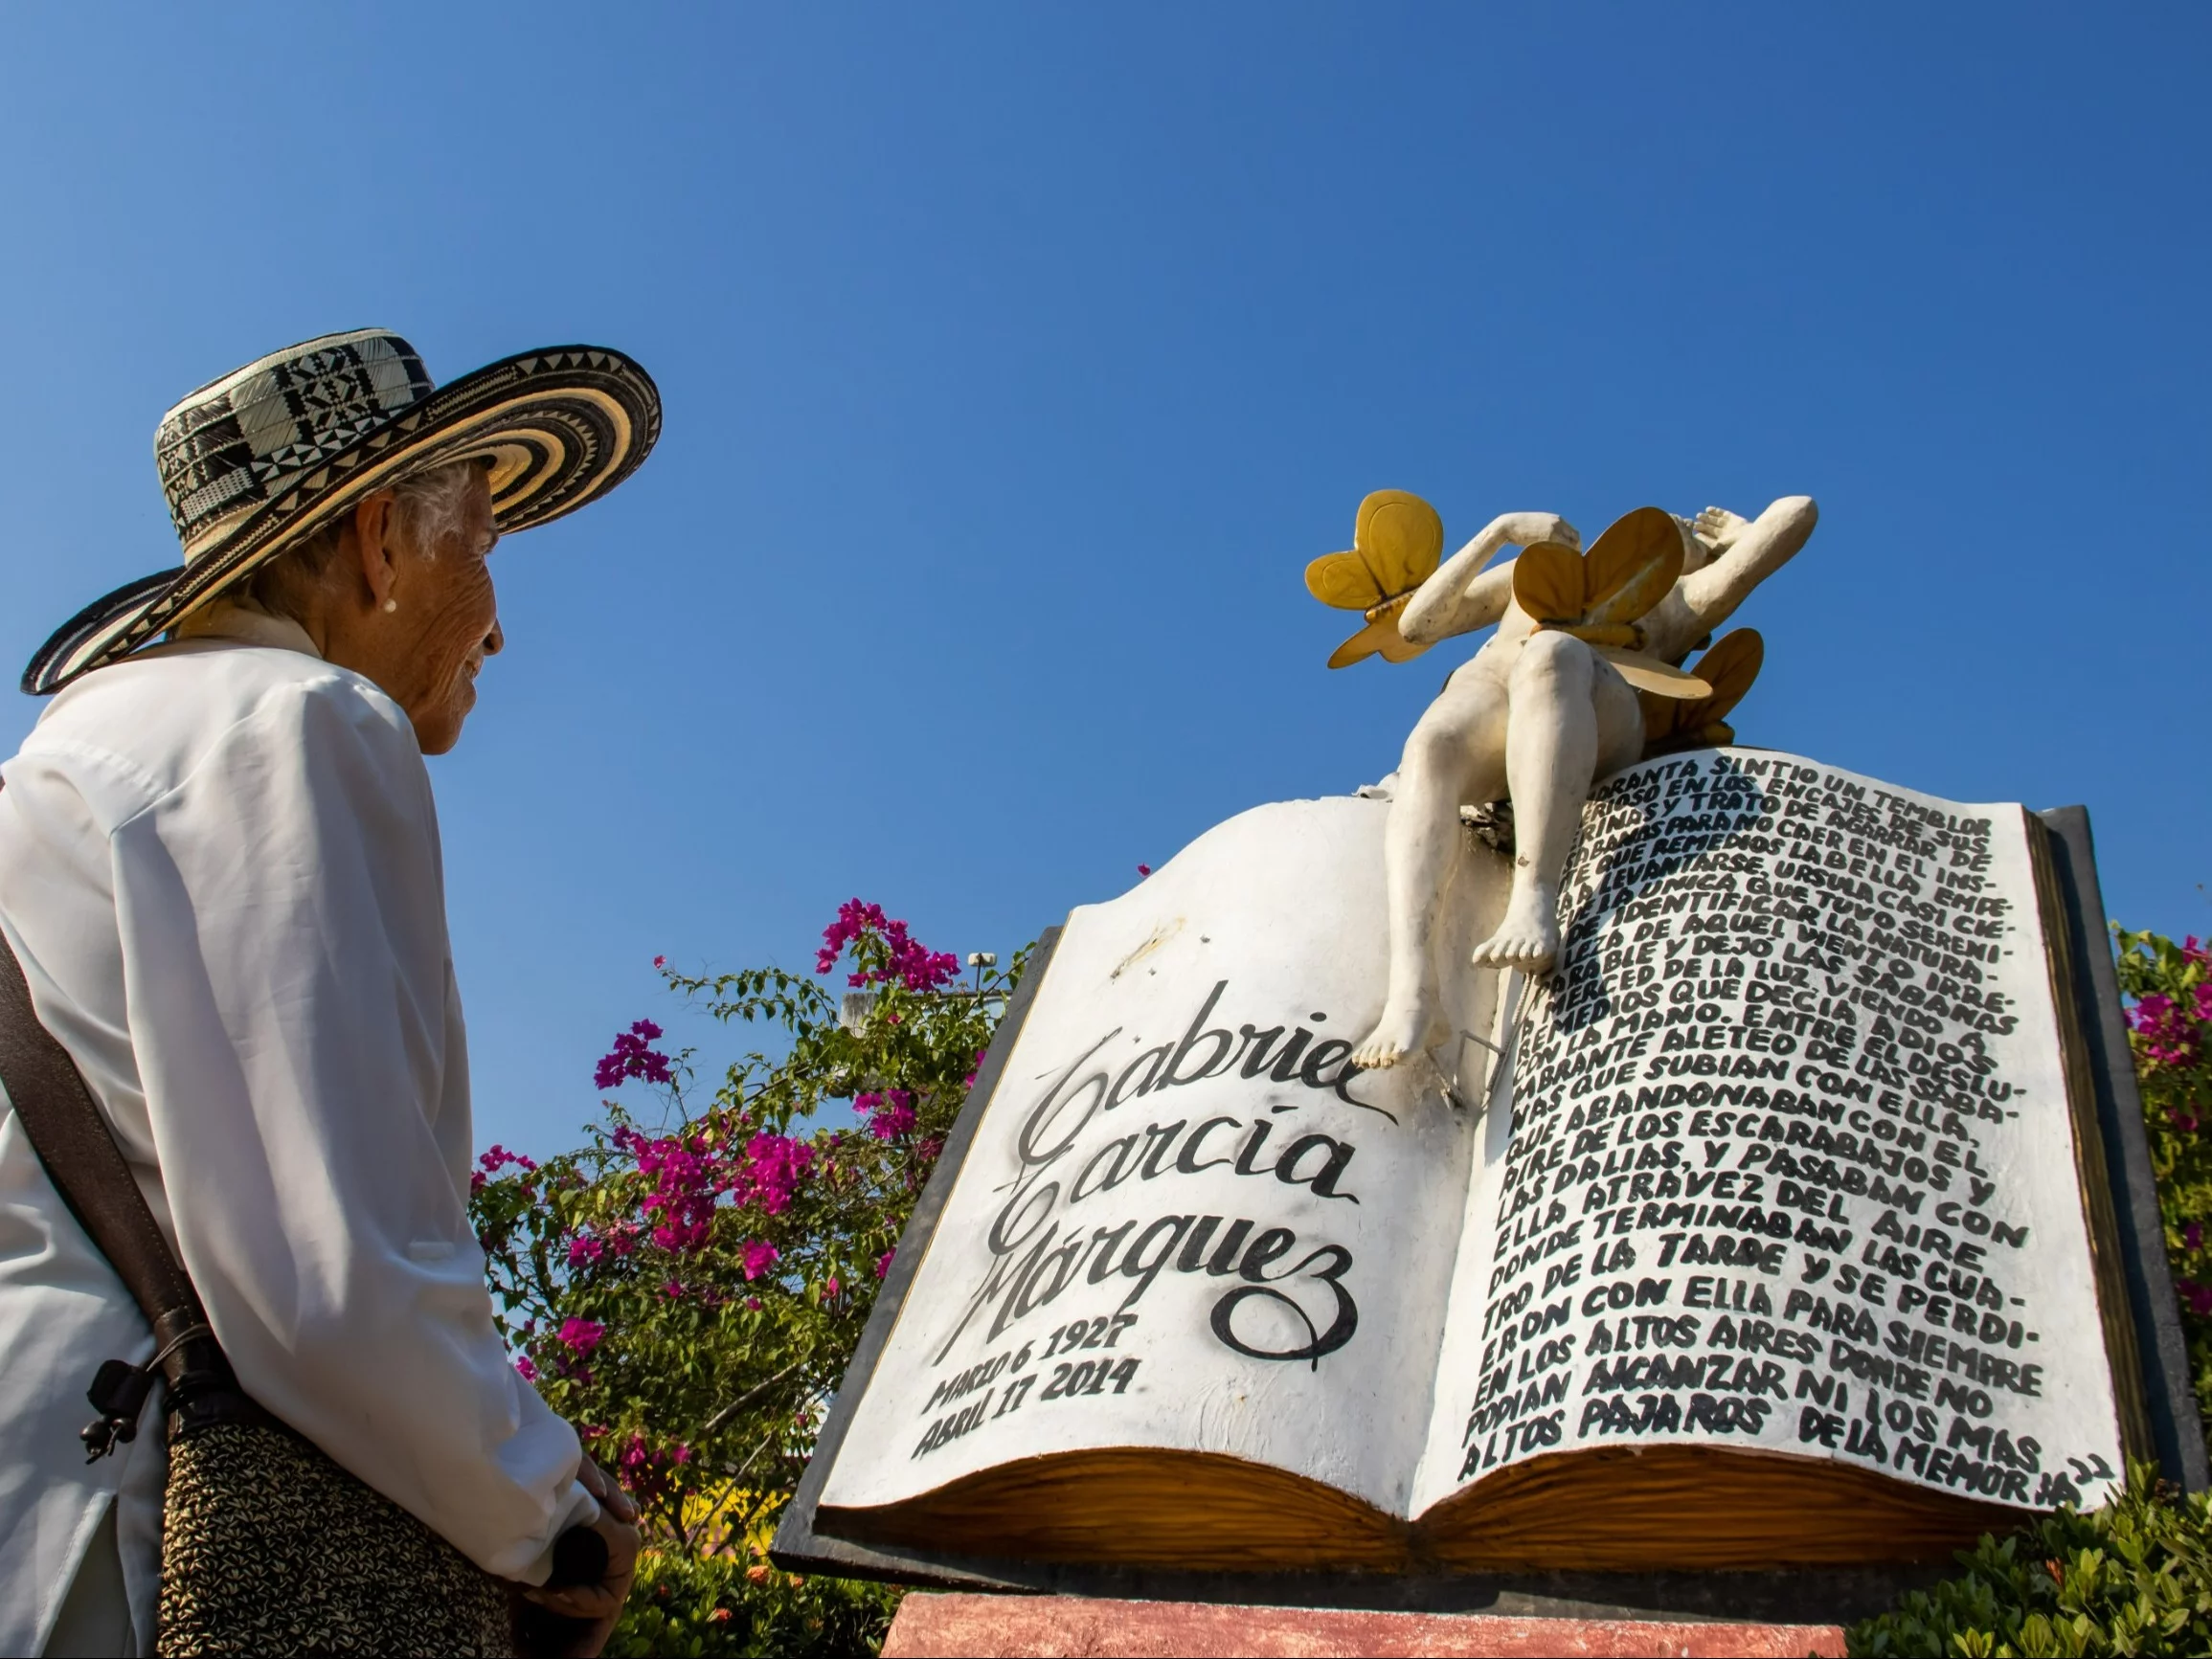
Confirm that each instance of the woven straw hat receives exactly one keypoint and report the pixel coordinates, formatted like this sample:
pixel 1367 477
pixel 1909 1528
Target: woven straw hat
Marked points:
pixel 271 452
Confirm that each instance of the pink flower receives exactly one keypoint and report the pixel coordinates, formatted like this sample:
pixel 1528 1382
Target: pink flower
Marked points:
pixel 907 961
pixel 584 1250
pixel 773 1167
pixel 660 961
pixel 672 1291
pixel 883 1262
pixel 499 1158
pixel 759 1257
pixel 2198 1296
pixel 890 1114
pixel 1143 870
pixel 2193 1236
pixel 580 1336
pixel 752 1303
pixel 632 1056
pixel 828 1289
pixel 524 1369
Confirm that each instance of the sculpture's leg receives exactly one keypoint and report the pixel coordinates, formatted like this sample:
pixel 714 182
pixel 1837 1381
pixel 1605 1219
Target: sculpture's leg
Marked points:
pixel 1572 720
pixel 1456 755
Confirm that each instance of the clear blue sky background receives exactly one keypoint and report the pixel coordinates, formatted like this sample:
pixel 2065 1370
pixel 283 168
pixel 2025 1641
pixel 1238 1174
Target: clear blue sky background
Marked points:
pixel 1018 358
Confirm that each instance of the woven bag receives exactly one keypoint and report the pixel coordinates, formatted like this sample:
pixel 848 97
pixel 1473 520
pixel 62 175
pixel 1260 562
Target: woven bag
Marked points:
pixel 269 1547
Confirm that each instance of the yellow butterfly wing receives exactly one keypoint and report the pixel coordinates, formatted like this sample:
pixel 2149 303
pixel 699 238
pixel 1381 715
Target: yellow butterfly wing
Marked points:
pixel 1380 636
pixel 1344 581
pixel 1730 666
pixel 1633 565
pixel 1401 538
pixel 1650 674
pixel 1547 582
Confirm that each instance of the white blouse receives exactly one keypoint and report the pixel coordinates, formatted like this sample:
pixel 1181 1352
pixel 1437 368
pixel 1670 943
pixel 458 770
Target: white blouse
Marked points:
pixel 220 866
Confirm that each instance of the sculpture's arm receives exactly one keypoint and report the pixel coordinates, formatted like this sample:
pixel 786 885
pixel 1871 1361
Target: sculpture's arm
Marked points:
pixel 1462 596
pixel 1752 554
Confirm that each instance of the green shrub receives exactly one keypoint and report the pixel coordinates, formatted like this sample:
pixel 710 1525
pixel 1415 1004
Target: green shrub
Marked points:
pixel 2135 1577
pixel 691 1606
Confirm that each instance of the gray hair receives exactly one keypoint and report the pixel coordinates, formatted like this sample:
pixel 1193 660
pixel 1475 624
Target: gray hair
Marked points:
pixel 431 504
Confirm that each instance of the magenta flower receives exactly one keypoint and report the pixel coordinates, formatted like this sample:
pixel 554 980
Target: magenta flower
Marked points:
pixel 660 961
pixel 2198 1296
pixel 1143 870
pixel 2172 1034
pixel 774 1166
pixel 632 1056
pixel 2193 1236
pixel 759 1257
pixel 883 1262
pixel 584 1250
pixel 580 1336
pixel 890 1114
pixel 524 1369
pixel 911 963
pixel 499 1158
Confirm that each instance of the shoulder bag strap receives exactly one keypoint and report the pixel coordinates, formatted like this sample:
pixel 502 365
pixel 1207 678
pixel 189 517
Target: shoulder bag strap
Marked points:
pixel 87 1168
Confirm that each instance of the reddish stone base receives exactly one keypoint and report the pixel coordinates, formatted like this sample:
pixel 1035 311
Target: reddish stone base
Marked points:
pixel 947 1626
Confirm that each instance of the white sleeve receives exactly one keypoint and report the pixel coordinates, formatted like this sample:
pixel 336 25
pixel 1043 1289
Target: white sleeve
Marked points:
pixel 286 972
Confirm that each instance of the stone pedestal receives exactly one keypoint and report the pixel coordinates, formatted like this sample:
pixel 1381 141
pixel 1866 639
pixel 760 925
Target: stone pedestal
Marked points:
pixel 929 1626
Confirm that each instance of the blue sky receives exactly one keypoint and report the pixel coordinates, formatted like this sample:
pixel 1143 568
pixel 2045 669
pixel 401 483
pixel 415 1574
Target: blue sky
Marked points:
pixel 1016 359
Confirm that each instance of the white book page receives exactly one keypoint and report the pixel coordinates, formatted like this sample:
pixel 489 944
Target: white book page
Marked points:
pixel 1183 1222
pixel 1789 1164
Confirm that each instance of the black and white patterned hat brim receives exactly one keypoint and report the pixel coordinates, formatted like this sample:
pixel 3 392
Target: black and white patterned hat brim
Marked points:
pixel 558 428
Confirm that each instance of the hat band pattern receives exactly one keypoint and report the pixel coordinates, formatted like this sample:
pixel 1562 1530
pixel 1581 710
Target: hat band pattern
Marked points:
pixel 242 441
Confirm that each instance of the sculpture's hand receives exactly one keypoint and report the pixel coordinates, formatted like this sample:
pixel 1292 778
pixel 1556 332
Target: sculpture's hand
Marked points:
pixel 1527 529
pixel 1718 527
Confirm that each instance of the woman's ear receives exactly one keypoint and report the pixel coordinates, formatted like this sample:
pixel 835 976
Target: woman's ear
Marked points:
pixel 374 522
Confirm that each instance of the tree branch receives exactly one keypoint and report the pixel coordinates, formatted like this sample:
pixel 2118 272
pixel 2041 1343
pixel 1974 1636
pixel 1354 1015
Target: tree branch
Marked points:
pixel 723 1417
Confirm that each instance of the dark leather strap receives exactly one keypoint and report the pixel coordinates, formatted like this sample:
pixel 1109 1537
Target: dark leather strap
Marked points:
pixel 87 1169
pixel 80 1154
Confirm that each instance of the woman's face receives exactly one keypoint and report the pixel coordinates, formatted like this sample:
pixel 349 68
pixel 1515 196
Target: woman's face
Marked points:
pixel 443 624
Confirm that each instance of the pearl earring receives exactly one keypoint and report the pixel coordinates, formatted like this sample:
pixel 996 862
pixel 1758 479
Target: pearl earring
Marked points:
pixel 390 606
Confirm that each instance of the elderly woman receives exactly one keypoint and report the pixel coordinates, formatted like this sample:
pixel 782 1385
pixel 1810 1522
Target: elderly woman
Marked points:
pixel 220 872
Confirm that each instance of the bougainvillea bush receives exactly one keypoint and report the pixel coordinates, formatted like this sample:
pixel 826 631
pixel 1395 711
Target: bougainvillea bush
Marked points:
pixel 2170 1016
pixel 688 1286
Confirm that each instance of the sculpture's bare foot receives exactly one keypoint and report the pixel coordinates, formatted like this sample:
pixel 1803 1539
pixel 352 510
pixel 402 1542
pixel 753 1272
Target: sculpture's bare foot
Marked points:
pixel 1718 527
pixel 1526 939
pixel 1401 1032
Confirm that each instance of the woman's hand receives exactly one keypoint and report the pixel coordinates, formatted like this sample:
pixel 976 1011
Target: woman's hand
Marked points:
pixel 603 1487
pixel 591 1609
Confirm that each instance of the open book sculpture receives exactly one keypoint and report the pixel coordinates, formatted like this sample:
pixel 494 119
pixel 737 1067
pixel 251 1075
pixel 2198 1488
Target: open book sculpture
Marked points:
pixel 1766 1215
